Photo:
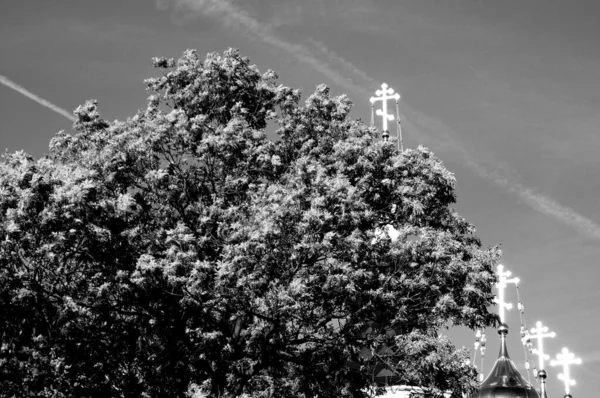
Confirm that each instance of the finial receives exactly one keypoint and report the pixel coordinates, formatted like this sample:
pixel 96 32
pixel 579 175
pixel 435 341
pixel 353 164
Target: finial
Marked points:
pixel 503 329
pixel 566 358
pixel 384 95
pixel 501 285
pixel 503 332
pixel 540 332
pixel 542 375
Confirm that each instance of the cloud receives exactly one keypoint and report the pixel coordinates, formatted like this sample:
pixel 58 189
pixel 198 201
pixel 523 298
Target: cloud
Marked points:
pixel 21 90
pixel 427 127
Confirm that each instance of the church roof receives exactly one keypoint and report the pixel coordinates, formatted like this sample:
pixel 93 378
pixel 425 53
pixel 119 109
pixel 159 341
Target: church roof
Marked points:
pixel 505 381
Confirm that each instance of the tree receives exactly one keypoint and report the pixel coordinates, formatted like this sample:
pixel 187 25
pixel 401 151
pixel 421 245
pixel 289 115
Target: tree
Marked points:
pixel 182 251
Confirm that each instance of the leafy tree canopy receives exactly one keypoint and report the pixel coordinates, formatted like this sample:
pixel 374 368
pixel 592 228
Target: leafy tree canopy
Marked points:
pixel 182 252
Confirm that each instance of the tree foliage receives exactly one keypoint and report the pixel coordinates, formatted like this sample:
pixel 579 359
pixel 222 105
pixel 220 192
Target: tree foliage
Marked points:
pixel 183 252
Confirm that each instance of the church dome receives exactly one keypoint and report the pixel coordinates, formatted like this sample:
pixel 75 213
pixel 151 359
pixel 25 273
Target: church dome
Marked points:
pixel 505 381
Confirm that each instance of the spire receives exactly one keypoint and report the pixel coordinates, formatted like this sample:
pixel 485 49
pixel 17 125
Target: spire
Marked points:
pixel 503 332
pixel 504 380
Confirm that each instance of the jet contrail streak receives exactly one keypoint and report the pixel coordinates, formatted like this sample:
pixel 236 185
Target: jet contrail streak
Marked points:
pixel 543 204
pixel 21 90
pixel 232 17
pixel 535 200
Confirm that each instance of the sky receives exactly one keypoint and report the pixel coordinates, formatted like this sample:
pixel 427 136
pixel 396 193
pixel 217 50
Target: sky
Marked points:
pixel 506 93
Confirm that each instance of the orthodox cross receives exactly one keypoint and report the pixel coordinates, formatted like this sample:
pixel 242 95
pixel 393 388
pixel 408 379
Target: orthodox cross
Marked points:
pixel 540 332
pixel 501 285
pixel 565 359
pixel 384 95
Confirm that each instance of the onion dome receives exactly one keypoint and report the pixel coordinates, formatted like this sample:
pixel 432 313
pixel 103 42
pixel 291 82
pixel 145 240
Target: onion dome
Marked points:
pixel 505 381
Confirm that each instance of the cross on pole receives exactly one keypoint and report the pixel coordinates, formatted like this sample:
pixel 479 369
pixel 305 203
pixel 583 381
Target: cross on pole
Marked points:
pixel 382 95
pixel 566 358
pixel 540 332
pixel 503 281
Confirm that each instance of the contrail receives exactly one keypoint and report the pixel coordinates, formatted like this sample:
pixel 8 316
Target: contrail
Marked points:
pixel 544 204
pixel 535 200
pixel 344 63
pixel 234 18
pixel 21 90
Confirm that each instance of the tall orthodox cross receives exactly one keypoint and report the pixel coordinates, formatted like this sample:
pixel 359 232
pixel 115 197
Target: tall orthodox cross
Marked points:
pixel 386 93
pixel 540 332
pixel 566 358
pixel 503 281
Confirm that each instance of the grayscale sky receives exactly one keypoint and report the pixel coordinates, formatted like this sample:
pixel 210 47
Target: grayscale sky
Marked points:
pixel 506 93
